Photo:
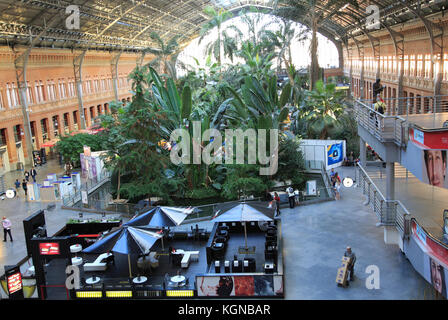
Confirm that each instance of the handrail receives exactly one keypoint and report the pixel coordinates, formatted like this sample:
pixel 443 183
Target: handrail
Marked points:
pixel 430 235
pixel 383 127
pixel 385 210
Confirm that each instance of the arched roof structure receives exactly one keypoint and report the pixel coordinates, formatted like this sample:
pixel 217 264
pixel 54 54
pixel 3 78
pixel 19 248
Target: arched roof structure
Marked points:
pixel 126 24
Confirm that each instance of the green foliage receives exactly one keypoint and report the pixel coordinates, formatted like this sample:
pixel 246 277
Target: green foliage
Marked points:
pixel 72 146
pixel 290 161
pixel 243 180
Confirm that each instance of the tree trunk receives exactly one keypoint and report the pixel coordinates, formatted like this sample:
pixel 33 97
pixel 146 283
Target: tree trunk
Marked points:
pixel 314 68
pixel 118 185
pixel 219 48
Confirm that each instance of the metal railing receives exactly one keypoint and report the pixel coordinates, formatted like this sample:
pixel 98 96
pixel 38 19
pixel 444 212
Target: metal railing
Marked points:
pixel 72 198
pixel 384 128
pixel 414 105
pixel 389 212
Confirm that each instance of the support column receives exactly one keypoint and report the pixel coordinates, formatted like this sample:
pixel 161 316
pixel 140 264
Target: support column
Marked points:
pixel 21 63
pixel 77 64
pixel 360 47
pixel 114 71
pixel 362 152
pixel 71 122
pixel 38 134
pixel 11 145
pixel 391 235
pixel 50 127
pixel 390 180
pixel 86 116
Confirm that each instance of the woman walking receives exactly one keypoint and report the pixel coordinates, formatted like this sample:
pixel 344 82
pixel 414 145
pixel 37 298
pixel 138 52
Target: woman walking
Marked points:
pixel 277 204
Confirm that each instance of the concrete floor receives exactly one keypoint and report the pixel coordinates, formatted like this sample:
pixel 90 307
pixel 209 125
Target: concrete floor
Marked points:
pixel 423 201
pixel 19 208
pixel 314 240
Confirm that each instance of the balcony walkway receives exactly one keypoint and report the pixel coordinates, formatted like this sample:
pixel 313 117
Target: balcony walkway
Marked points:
pixel 428 121
pixel 423 201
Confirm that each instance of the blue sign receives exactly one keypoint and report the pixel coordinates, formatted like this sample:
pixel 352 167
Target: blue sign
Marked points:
pixel 335 153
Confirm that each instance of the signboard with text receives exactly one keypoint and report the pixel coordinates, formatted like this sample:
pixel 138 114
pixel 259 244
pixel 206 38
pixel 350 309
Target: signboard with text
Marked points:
pixel 49 248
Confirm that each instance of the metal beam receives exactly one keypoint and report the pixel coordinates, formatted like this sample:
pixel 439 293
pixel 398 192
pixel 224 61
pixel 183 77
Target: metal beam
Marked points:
pixel 77 66
pixel 435 33
pixel 21 64
pixel 375 44
pixel 398 40
pixel 360 47
pixel 114 71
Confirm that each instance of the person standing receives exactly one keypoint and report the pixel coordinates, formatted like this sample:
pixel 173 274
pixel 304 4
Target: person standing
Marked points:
pixel 6 229
pixel 25 187
pixel 350 254
pixel 337 186
pixel 291 197
pixel 27 175
pixel 377 88
pixel 296 196
pixel 277 204
pixel 17 184
pixel 33 174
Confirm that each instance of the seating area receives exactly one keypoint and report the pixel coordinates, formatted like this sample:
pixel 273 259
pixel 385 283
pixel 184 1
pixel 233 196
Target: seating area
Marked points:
pixel 223 249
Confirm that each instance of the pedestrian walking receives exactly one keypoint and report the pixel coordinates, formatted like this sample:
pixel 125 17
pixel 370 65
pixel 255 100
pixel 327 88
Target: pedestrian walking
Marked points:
pixel 25 187
pixel 27 175
pixel 277 204
pixel 337 186
pixel 6 229
pixel 291 197
pixel 33 174
pixel 351 265
pixel 17 184
pixel 296 196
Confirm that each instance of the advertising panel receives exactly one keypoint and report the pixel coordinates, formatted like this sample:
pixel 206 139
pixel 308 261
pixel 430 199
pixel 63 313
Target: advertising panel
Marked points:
pixel 434 167
pixel 435 257
pixel 429 139
pixel 14 282
pixel 335 153
pixel 239 286
pixel 49 248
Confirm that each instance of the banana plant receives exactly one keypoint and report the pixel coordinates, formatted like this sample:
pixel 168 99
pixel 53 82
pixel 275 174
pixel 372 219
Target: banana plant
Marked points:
pixel 258 107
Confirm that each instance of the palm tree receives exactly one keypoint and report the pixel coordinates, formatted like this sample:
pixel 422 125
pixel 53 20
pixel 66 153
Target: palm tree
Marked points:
pixel 281 41
pixel 166 54
pixel 313 13
pixel 223 39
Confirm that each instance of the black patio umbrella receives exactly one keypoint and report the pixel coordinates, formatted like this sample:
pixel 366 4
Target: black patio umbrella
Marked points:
pixel 245 212
pixel 161 217
pixel 126 240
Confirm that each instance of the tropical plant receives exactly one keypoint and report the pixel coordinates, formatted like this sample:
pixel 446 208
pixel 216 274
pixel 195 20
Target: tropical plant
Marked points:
pixel 258 107
pixel 166 54
pixel 322 111
pixel 135 153
pixel 223 40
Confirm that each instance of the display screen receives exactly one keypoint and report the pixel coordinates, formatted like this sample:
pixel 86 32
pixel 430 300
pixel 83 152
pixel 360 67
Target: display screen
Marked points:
pixel 14 282
pixel 49 248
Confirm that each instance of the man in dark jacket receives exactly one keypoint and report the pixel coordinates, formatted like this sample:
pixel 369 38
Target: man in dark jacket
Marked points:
pixel 33 174
pixel 377 88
